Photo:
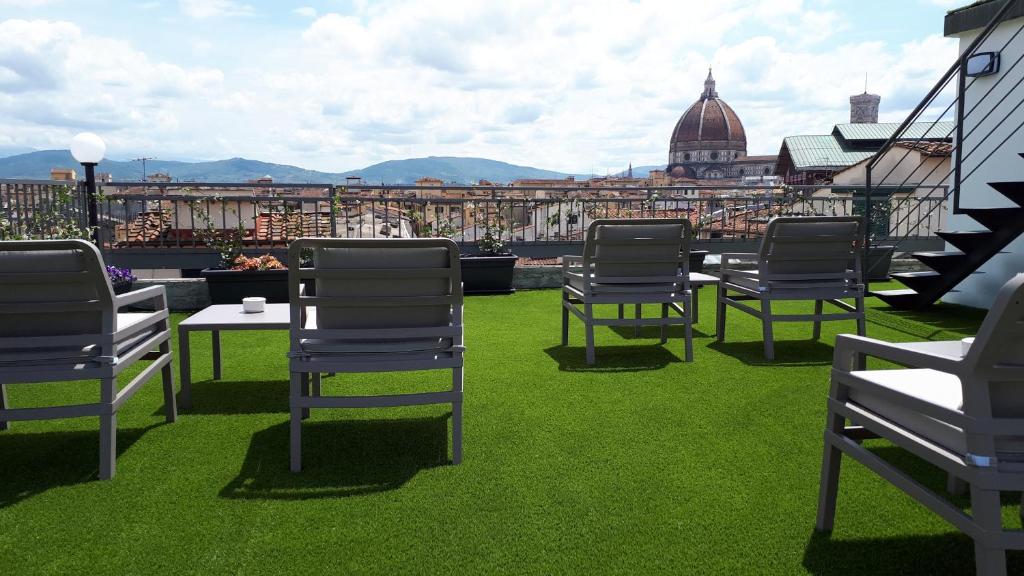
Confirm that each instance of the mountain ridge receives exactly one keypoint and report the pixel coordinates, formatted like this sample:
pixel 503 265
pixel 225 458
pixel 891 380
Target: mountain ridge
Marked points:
pixel 450 169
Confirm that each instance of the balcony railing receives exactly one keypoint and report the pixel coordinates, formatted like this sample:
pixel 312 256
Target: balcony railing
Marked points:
pixel 170 225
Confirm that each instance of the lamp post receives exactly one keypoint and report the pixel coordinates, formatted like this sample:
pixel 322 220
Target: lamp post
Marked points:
pixel 88 150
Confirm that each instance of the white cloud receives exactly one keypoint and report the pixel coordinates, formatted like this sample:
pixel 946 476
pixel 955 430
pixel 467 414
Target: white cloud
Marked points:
pixel 569 86
pixel 306 11
pixel 200 9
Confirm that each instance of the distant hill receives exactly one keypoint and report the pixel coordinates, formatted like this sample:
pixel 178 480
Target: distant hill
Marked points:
pixel 450 169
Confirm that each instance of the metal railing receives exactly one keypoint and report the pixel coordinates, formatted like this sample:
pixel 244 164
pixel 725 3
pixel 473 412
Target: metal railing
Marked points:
pixel 176 225
pixel 185 225
pixel 946 101
pixel 41 209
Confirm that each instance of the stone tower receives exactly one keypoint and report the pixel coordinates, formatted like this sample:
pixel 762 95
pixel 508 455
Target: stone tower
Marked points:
pixel 864 108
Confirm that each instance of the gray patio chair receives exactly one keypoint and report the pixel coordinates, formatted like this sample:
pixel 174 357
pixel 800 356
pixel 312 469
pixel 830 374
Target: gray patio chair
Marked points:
pixel 60 321
pixel 380 306
pixel 800 258
pixel 630 261
pixel 963 414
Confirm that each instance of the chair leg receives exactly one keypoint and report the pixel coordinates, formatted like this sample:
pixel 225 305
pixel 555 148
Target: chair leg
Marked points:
pixel 766 329
pixel 816 335
pixel 565 319
pixel 862 327
pixel 295 429
pixel 167 376
pixel 108 429
pixel 457 416
pixel 3 406
pixel 720 316
pixel 305 392
pixel 988 559
pixel 316 385
pixel 622 311
pixel 638 314
pixel 828 487
pixel 588 313
pixel 688 337
pixel 664 327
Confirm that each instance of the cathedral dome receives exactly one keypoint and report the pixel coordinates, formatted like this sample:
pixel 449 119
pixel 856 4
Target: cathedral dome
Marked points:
pixel 708 131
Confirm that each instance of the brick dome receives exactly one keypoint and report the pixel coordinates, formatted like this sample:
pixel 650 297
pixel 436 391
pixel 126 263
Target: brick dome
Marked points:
pixel 709 124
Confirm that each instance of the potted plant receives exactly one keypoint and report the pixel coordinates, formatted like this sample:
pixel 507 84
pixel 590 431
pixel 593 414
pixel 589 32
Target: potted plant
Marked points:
pixel 237 276
pixel 121 279
pixel 492 269
pixel 260 276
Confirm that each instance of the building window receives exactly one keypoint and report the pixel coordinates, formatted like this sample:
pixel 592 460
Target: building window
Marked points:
pixel 714 155
pixel 767 171
pixel 686 157
pixel 741 171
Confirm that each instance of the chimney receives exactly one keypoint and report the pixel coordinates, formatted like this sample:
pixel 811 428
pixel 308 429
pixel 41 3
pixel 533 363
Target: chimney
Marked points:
pixel 62 174
pixel 864 108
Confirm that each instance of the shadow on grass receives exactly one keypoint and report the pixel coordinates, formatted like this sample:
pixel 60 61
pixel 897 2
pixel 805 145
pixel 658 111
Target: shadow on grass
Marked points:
pixel 35 462
pixel 340 458
pixel 787 352
pixel 940 322
pixel 615 358
pixel 654 332
pixel 238 397
pixel 925 555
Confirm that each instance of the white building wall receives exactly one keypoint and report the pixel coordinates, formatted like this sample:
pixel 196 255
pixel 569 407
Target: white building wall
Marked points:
pixel 979 290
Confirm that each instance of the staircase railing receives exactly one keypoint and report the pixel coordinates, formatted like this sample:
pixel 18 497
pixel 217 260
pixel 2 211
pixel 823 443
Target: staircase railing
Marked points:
pixel 928 140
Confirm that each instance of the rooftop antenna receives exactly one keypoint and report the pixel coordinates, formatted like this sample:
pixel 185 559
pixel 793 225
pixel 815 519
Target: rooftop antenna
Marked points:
pixel 143 160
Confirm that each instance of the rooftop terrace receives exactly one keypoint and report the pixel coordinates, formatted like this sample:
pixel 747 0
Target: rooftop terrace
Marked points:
pixel 642 464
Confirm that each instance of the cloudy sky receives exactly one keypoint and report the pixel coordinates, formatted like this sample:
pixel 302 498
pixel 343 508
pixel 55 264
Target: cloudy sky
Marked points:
pixel 575 86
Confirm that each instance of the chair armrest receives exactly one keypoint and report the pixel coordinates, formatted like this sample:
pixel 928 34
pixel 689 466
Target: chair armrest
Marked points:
pixel 852 349
pixel 158 292
pixel 570 261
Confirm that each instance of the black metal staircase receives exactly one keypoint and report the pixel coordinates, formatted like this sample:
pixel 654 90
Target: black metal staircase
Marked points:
pixel 999 226
pixel 973 248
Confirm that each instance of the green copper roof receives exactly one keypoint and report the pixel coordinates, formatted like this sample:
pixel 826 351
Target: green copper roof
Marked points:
pixel 822 151
pixel 885 130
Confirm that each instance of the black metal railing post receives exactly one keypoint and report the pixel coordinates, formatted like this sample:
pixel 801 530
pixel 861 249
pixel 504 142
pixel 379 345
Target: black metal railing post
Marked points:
pixel 867 228
pixel 958 144
pixel 93 204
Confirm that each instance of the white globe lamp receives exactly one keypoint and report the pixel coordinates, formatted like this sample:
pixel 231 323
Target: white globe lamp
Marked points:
pixel 88 148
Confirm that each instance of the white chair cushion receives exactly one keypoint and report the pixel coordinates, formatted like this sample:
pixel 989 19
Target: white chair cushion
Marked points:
pixel 934 387
pixel 74 355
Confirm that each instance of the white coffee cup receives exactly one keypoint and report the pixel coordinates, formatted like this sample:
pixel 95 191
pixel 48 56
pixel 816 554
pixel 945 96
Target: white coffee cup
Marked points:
pixel 253 304
pixel 965 345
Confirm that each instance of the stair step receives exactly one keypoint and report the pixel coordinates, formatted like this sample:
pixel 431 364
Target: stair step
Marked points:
pixel 904 299
pixel 940 261
pixel 1012 190
pixel 918 281
pixel 996 218
pixel 966 241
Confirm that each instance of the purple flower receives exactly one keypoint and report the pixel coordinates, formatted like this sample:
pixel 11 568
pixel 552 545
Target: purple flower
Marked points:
pixel 120 274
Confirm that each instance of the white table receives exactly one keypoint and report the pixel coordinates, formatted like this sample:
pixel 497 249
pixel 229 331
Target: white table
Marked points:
pixel 214 319
pixel 697 280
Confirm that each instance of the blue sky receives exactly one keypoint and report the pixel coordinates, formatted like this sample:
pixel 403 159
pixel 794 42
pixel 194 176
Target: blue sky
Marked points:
pixel 568 85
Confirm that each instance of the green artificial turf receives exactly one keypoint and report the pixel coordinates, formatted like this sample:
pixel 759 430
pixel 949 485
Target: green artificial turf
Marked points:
pixel 642 464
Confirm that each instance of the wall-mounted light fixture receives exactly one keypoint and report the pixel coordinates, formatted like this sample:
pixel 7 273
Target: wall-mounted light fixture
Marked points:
pixel 982 64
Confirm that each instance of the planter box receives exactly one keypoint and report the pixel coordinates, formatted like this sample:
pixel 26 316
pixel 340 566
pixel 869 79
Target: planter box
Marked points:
pixel 697 260
pixel 878 262
pixel 230 286
pixel 488 274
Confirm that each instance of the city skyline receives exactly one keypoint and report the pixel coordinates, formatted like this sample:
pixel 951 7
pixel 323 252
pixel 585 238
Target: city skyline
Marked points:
pixel 339 85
